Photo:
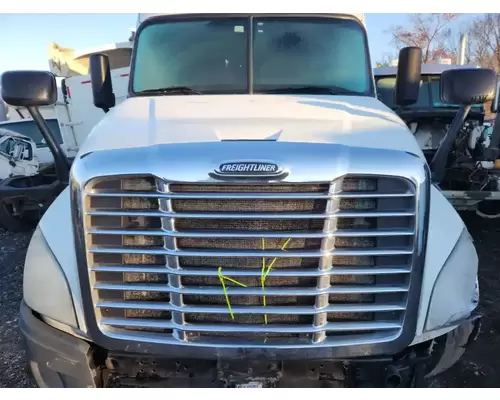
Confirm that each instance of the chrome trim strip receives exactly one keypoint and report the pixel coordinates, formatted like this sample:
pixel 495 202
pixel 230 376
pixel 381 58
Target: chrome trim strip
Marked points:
pixel 237 291
pixel 325 265
pixel 64 328
pixel 329 327
pixel 277 350
pixel 330 215
pixel 255 254
pixel 337 271
pixel 252 196
pixel 174 280
pixel 259 310
pixel 250 234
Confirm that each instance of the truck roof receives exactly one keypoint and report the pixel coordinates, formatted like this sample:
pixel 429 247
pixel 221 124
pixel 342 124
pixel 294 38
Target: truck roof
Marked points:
pixel 427 69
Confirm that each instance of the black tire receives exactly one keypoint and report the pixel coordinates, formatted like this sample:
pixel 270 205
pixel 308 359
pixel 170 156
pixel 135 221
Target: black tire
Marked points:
pixel 14 223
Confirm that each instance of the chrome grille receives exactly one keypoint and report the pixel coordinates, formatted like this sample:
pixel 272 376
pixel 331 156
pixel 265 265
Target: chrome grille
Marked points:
pixel 156 252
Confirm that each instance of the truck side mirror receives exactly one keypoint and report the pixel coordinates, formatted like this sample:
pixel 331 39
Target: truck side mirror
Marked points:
pixel 409 76
pixel 33 89
pixel 464 86
pixel 467 86
pixel 29 88
pixel 102 87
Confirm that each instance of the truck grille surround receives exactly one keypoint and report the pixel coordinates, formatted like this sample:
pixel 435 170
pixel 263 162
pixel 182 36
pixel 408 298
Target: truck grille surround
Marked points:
pixel 278 264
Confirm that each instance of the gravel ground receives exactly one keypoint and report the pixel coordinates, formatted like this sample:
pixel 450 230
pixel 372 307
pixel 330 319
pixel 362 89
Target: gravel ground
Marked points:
pixel 12 367
pixel 478 368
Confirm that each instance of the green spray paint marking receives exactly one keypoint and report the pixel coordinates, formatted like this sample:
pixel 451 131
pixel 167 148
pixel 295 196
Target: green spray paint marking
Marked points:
pixel 222 279
pixel 265 272
pixel 263 276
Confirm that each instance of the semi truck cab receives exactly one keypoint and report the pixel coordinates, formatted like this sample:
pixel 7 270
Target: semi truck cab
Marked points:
pixel 251 215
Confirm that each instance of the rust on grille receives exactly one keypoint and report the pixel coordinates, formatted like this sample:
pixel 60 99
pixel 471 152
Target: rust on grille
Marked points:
pixel 259 225
pixel 247 262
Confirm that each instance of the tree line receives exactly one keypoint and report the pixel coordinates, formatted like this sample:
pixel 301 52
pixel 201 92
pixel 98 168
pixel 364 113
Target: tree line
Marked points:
pixel 438 35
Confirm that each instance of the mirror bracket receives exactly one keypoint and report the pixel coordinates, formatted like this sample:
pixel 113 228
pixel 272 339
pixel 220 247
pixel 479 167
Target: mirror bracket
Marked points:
pixel 438 163
pixel 493 151
pixel 61 161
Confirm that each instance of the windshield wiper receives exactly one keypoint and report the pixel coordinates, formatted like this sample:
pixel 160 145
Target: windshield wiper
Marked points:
pixel 335 90
pixel 171 90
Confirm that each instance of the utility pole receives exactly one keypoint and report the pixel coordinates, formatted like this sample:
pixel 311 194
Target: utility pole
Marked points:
pixel 462 49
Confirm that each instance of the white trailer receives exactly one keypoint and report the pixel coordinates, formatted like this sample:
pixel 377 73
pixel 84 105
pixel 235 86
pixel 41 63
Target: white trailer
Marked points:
pixel 74 109
pixel 76 112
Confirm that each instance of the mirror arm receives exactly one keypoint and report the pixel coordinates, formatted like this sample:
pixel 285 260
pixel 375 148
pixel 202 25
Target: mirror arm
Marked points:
pixel 492 152
pixel 62 164
pixel 438 163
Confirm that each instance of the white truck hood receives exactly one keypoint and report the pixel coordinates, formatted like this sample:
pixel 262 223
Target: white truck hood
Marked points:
pixel 347 120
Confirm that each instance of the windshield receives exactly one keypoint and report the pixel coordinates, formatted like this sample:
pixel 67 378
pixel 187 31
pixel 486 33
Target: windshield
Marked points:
pixel 212 55
pixel 429 96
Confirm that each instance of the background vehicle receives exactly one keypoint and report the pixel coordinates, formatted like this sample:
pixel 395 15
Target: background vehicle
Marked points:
pixel 469 177
pixel 18 157
pixel 282 230
pixel 29 129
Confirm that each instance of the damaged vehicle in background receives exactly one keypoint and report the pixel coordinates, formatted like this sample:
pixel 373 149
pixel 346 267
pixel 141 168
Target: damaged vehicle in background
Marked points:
pixel 25 160
pixel 465 156
pixel 17 158
pixel 250 216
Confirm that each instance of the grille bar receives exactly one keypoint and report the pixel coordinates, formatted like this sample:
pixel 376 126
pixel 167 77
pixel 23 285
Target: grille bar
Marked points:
pixel 297 310
pixel 253 273
pixel 215 215
pixel 178 318
pixel 252 196
pixel 332 327
pixel 279 291
pixel 256 254
pixel 250 234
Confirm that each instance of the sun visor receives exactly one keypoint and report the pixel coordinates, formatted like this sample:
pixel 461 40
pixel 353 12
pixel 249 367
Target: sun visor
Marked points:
pixel 185 8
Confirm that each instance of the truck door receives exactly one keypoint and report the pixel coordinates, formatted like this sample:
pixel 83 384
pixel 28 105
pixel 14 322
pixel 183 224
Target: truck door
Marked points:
pixel 5 160
pixel 8 165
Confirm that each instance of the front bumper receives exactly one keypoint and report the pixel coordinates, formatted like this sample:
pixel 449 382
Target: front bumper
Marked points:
pixel 57 359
